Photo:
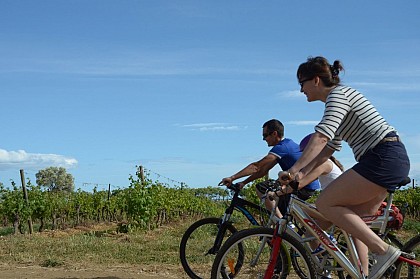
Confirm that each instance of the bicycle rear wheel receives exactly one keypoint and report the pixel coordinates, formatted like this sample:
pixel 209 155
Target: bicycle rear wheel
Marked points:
pixel 256 249
pixel 196 244
pixel 405 270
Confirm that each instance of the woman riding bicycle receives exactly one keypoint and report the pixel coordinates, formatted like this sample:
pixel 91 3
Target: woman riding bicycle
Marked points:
pixel 382 160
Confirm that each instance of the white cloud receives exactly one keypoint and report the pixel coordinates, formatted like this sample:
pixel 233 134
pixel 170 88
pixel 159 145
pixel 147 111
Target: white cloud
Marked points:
pixel 291 94
pixel 202 125
pixel 213 127
pixel 404 87
pixel 33 161
pixel 415 172
pixel 303 122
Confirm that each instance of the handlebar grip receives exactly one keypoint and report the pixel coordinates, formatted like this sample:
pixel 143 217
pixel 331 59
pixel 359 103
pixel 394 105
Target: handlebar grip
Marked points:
pixel 285 176
pixel 234 187
pixel 294 184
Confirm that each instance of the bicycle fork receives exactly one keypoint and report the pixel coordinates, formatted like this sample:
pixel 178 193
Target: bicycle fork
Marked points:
pixel 222 228
pixel 275 243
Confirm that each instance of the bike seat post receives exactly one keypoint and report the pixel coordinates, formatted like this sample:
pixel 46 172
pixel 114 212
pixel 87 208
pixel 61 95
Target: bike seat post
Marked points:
pixel 386 212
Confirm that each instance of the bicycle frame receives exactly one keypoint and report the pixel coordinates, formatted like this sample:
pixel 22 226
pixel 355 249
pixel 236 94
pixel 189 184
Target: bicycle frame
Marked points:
pixel 302 211
pixel 242 206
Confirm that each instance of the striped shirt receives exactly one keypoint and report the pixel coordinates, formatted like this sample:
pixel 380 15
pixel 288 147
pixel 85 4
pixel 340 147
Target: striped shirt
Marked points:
pixel 349 116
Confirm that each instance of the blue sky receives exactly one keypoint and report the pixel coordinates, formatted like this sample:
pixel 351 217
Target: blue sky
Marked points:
pixel 183 87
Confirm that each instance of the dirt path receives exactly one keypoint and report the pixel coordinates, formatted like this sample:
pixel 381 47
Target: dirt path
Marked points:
pixel 37 272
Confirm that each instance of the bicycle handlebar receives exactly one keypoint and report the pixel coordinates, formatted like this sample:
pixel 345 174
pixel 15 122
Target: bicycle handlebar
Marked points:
pixel 234 187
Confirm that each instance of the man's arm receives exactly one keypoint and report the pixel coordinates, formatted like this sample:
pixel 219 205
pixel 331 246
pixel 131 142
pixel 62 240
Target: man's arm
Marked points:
pixel 253 171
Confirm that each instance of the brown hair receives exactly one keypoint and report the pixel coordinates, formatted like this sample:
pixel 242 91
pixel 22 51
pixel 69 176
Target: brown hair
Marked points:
pixel 275 125
pixel 335 161
pixel 320 67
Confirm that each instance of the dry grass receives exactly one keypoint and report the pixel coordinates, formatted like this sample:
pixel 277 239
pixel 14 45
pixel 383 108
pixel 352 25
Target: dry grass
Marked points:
pixel 101 246
pixel 93 245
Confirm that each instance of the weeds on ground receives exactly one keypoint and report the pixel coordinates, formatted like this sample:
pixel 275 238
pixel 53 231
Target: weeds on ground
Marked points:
pixel 104 246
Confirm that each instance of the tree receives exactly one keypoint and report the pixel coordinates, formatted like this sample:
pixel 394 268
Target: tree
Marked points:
pixel 55 179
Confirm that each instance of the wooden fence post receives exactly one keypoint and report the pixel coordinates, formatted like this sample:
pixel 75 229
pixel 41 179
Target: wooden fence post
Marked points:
pixel 141 171
pixel 25 196
pixel 109 191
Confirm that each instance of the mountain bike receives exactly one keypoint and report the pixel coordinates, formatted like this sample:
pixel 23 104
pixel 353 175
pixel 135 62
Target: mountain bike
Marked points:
pixel 384 229
pixel 203 239
pixel 335 259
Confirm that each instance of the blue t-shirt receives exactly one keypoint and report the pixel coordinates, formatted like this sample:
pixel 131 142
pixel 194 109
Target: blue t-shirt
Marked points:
pixel 287 153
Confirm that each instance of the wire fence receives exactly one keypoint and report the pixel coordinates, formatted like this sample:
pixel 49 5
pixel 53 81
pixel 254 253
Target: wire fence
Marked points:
pixel 150 174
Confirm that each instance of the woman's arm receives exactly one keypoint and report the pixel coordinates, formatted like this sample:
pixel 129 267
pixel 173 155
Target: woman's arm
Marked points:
pixel 318 161
pixel 314 147
pixel 323 169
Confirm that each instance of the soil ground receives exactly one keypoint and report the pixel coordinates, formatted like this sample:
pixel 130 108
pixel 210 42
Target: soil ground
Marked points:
pixel 37 272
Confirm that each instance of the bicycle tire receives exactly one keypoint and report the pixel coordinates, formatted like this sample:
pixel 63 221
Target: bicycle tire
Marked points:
pixel 394 241
pixel 405 270
pixel 250 240
pixel 195 244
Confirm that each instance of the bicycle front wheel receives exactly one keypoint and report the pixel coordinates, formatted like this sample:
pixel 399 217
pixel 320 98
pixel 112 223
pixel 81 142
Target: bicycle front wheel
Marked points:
pixel 197 250
pixel 256 248
pixel 405 270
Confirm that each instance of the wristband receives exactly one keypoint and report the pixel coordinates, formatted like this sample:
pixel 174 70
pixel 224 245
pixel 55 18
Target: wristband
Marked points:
pixel 284 191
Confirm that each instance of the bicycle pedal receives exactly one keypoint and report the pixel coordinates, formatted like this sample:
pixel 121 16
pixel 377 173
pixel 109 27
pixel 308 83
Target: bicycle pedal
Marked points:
pixel 325 255
pixel 389 272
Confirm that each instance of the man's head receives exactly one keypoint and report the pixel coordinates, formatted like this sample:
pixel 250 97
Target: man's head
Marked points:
pixel 273 132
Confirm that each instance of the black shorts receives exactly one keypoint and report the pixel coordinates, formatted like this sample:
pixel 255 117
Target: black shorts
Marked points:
pixel 302 194
pixel 386 164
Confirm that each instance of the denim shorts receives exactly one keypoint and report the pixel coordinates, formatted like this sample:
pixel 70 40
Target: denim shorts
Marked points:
pixel 386 164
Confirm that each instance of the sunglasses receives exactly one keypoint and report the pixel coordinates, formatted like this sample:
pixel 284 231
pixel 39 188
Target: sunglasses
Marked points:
pixel 266 135
pixel 302 82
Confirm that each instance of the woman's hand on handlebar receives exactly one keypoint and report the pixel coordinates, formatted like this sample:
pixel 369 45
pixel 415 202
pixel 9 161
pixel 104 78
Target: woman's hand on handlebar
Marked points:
pixel 286 177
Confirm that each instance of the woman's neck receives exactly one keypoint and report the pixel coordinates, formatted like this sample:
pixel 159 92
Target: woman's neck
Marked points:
pixel 326 91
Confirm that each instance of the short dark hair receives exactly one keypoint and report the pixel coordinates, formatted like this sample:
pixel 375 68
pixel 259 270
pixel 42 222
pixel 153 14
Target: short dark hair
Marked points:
pixel 275 125
pixel 320 67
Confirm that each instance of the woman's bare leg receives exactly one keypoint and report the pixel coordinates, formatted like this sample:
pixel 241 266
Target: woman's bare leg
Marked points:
pixel 345 198
pixel 362 251
pixel 270 204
